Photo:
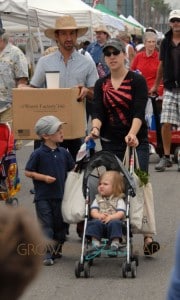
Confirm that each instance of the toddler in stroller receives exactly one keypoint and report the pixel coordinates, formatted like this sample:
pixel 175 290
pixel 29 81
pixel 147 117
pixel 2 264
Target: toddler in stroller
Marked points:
pixel 107 211
pixel 107 234
pixel 9 180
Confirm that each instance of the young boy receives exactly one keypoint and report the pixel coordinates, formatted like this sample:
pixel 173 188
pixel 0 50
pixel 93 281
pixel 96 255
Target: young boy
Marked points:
pixel 48 166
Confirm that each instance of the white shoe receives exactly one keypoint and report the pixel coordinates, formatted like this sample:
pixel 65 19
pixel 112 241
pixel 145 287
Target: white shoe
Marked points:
pixel 95 245
pixel 48 262
pixel 115 245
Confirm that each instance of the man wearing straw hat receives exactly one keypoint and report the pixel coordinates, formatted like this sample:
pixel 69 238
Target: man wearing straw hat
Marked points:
pixel 95 49
pixel 75 69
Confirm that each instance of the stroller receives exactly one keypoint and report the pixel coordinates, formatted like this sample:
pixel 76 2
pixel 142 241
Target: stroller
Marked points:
pixel 9 180
pixel 98 163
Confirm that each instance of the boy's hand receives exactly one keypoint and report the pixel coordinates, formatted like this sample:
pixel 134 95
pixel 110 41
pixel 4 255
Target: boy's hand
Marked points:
pixel 49 179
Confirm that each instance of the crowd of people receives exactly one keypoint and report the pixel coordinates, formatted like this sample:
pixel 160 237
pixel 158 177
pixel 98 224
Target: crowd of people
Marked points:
pixel 117 80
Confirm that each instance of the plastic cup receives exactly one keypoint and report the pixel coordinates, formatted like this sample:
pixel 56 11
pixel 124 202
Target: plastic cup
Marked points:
pixel 52 79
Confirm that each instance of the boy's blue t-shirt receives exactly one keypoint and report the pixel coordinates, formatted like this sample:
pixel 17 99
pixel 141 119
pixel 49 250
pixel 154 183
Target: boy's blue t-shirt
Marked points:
pixel 55 163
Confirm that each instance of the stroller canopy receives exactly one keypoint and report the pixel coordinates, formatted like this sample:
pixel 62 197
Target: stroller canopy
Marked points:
pixel 110 162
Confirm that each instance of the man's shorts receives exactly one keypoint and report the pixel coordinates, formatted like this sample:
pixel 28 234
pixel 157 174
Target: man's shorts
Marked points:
pixel 171 107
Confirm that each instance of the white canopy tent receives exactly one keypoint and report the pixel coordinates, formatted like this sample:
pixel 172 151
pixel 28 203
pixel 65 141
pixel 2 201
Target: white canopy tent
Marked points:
pixel 131 27
pixel 134 21
pixel 37 15
pixel 83 13
pixel 14 10
pixel 42 14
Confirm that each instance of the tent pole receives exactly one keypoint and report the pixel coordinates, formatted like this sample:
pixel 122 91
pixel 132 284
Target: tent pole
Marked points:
pixel 40 41
pixel 91 27
pixel 31 46
pixel 39 32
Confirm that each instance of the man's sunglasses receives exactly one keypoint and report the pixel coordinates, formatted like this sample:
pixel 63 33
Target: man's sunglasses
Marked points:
pixel 175 20
pixel 109 53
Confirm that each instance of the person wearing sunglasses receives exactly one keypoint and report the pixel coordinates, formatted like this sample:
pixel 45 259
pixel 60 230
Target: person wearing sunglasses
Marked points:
pixel 169 71
pixel 118 113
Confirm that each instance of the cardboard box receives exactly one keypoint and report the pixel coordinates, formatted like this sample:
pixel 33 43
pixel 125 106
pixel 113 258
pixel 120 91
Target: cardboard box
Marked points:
pixel 31 104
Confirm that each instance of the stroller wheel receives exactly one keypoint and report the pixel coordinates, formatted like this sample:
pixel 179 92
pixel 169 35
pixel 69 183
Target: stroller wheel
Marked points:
pixel 12 201
pixel 78 269
pixel 124 269
pixel 86 270
pixel 91 262
pixel 177 155
pixel 133 269
pixel 136 259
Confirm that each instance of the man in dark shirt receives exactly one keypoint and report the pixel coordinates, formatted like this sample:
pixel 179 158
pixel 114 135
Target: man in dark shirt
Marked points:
pixel 169 70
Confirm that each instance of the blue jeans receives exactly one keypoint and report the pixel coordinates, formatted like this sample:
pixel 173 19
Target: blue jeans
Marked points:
pixel 50 216
pixel 98 229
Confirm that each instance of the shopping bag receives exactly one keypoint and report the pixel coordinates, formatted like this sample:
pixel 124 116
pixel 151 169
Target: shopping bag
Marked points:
pixel 137 202
pixel 137 206
pixel 73 203
pixel 142 215
pixel 148 221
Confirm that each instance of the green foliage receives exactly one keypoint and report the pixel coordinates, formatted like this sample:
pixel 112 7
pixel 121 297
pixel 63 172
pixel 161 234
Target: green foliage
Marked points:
pixel 143 176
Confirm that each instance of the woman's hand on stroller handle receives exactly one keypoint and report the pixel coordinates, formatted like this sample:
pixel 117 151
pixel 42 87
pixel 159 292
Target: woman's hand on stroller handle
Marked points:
pixel 131 140
pixel 94 134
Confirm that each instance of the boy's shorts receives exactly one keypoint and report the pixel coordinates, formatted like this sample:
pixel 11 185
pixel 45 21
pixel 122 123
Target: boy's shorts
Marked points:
pixel 171 107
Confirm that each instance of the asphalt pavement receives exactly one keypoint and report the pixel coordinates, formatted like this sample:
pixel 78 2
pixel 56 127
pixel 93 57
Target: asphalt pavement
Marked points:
pixel 106 282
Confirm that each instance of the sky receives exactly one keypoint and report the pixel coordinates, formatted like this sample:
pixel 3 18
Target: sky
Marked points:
pixel 174 4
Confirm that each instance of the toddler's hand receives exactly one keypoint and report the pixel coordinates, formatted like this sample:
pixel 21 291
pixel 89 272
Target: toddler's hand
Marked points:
pixel 102 217
pixel 49 179
pixel 107 219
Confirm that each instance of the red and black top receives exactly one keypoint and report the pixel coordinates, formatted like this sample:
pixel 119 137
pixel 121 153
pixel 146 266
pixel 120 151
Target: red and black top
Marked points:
pixel 116 108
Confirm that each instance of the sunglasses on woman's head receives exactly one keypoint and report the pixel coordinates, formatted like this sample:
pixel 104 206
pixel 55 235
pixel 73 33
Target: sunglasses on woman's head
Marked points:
pixel 175 20
pixel 108 53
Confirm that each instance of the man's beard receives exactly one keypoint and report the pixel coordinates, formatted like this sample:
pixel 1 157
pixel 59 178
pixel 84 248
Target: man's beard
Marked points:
pixel 68 46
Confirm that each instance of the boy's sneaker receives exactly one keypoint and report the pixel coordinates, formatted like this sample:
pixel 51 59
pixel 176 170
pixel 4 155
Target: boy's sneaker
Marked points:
pixel 57 252
pixel 48 259
pixel 163 164
pixel 48 262
pixel 32 191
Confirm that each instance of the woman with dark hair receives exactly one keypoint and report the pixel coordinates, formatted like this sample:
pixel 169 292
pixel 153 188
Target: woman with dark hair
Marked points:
pixel 118 115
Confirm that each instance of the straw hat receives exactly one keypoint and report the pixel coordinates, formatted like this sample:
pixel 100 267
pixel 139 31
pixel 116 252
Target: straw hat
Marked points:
pixel 65 23
pixel 102 28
